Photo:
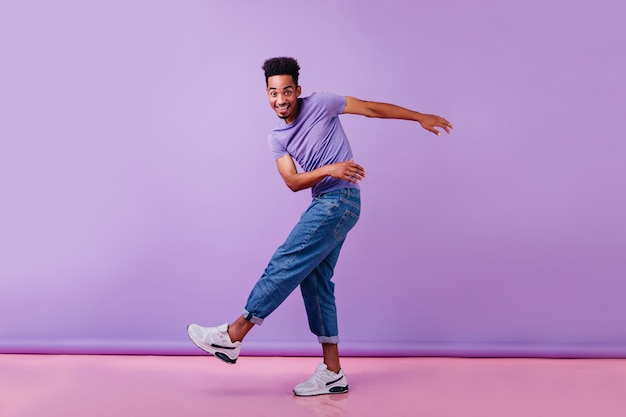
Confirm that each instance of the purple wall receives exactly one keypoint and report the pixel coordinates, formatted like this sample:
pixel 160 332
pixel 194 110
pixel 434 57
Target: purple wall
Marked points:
pixel 139 194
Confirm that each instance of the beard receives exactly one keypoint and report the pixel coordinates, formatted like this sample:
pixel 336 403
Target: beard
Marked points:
pixel 284 116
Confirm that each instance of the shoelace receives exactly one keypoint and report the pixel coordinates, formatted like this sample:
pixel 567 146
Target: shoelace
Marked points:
pixel 211 333
pixel 317 375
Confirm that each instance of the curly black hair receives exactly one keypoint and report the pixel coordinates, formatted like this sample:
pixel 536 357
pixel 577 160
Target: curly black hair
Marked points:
pixel 281 66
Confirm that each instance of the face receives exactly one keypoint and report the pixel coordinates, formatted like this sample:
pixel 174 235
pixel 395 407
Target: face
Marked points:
pixel 283 94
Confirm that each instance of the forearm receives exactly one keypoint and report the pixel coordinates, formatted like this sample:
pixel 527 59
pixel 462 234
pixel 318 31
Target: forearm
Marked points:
pixel 390 111
pixel 297 181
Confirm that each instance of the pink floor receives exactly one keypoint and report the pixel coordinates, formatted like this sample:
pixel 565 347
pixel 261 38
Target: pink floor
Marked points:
pixel 178 386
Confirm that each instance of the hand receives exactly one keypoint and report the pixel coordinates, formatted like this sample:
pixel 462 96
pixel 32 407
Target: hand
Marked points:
pixel 431 121
pixel 346 170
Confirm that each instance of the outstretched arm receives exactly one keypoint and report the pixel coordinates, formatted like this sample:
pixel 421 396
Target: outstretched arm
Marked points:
pixel 296 181
pixel 391 111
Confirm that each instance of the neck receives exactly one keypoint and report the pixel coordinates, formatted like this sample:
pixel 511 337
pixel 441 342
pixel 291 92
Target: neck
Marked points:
pixel 292 118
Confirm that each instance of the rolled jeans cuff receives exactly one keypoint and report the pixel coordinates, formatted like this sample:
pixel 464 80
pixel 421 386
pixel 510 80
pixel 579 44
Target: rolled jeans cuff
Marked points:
pixel 328 339
pixel 251 318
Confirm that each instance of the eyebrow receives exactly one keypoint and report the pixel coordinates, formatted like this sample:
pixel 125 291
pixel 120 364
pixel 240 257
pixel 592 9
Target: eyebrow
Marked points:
pixel 284 88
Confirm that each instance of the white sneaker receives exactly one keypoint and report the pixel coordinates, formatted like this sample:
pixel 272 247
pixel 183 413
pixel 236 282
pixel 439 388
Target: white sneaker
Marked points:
pixel 323 381
pixel 215 340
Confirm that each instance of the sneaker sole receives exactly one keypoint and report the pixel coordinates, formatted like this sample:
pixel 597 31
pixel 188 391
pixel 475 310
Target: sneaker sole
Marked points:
pixel 333 390
pixel 211 350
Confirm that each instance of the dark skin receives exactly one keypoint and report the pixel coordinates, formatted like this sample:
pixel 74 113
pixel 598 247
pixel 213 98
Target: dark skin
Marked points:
pixel 283 97
pixel 282 93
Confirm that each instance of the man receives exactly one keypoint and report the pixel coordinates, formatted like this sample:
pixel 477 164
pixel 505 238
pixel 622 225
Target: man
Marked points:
pixel 311 134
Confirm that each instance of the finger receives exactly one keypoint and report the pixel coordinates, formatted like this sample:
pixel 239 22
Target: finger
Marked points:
pixel 353 174
pixel 355 170
pixel 435 131
pixel 353 177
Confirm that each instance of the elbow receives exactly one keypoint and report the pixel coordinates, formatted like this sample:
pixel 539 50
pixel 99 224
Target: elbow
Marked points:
pixel 293 186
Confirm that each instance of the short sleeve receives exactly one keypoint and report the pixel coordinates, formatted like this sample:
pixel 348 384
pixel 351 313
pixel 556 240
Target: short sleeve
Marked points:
pixel 334 103
pixel 276 147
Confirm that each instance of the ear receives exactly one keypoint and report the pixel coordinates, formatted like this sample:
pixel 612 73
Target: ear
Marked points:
pixel 298 91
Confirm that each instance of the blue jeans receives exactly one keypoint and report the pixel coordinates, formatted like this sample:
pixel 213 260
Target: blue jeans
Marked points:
pixel 308 258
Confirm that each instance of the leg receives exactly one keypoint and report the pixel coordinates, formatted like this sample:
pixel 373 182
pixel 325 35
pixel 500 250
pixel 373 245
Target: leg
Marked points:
pixel 319 300
pixel 313 245
pixel 238 329
pixel 320 231
pixel 331 357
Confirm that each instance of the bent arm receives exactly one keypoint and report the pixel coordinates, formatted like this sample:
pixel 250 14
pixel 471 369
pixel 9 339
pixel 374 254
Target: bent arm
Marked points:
pixel 296 181
pixel 392 111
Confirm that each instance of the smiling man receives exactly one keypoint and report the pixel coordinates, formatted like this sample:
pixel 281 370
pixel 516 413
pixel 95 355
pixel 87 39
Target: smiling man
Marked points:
pixel 310 133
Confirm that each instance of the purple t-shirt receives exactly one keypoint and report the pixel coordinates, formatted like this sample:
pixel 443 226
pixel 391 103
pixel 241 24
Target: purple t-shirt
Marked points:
pixel 315 138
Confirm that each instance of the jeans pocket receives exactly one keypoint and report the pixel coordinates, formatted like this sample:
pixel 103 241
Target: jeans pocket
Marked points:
pixel 347 222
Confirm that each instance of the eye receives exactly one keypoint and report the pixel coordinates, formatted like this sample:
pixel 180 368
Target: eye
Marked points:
pixel 273 94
